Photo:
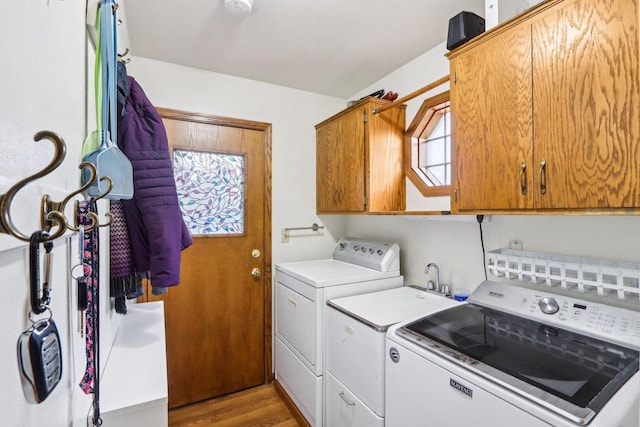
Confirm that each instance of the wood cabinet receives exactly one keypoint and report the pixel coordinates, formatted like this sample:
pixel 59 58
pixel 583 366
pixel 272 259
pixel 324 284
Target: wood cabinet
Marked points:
pixel 491 116
pixel 546 111
pixel 359 156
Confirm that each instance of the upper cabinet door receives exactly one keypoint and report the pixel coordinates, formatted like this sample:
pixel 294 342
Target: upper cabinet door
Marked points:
pixel 586 97
pixel 340 166
pixel 492 131
pixel 359 160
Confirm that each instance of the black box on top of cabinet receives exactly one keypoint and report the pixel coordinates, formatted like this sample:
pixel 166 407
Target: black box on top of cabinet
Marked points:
pixel 462 28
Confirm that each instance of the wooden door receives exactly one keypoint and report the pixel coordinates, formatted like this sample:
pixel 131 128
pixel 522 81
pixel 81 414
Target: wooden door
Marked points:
pixel 218 320
pixel 340 163
pixel 491 123
pixel 586 85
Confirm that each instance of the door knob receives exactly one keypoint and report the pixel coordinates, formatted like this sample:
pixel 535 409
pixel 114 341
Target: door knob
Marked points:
pixel 256 272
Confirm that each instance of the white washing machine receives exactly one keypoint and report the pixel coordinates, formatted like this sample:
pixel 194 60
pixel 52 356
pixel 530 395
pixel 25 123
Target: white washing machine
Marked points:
pixel 302 289
pixel 356 330
pixel 514 355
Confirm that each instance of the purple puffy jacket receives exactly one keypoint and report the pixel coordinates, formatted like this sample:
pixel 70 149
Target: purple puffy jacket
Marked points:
pixel 156 228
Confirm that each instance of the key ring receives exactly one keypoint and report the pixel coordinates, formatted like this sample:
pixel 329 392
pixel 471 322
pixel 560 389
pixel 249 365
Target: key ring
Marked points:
pixel 85 271
pixel 34 321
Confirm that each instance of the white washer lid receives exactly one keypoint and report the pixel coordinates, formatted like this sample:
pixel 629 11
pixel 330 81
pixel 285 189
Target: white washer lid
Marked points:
pixel 384 308
pixel 329 272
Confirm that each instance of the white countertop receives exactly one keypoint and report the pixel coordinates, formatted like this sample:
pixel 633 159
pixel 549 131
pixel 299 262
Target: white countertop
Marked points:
pixel 382 309
pixel 135 377
pixel 329 272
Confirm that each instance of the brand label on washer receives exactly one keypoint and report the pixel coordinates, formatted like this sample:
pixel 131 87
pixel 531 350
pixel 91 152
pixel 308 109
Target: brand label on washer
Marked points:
pixel 466 390
pixel 394 354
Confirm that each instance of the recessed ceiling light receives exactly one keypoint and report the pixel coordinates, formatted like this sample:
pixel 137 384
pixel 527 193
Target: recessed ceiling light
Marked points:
pixel 238 7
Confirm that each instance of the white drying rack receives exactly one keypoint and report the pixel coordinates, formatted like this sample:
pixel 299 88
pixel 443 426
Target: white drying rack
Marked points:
pixel 572 273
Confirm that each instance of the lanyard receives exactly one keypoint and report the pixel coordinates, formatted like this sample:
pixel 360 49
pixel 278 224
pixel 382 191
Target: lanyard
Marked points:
pixel 90 259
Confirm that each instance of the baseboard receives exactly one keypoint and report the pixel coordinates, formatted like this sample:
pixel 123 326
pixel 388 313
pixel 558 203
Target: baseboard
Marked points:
pixel 290 405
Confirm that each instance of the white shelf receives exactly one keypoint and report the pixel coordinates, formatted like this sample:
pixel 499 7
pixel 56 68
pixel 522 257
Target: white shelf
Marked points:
pixel 133 387
pixel 605 278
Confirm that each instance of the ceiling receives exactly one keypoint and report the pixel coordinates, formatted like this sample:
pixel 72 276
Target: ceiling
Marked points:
pixel 331 47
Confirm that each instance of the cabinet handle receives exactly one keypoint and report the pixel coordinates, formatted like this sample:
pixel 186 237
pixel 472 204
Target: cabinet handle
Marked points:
pixel 543 177
pixel 293 302
pixel 523 179
pixel 339 196
pixel 335 197
pixel 345 399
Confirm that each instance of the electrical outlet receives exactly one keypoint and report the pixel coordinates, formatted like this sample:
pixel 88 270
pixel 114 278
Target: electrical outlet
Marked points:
pixel 285 236
pixel 515 244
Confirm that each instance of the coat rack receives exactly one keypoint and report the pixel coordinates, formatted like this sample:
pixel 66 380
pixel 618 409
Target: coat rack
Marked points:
pixel 52 213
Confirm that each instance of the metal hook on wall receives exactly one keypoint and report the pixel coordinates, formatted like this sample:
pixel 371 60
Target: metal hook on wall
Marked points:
pixel 122 55
pixel 6 223
pixel 56 209
pixel 52 213
pixel 109 187
pixel 93 217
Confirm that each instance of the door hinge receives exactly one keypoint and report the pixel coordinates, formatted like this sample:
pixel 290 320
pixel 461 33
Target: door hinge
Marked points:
pixel 364 117
pixel 455 77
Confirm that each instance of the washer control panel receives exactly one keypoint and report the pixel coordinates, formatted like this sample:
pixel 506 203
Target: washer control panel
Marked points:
pixel 607 322
pixel 548 305
pixel 380 256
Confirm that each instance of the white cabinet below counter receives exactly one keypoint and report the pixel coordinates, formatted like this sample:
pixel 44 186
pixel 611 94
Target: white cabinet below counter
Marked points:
pixel 133 387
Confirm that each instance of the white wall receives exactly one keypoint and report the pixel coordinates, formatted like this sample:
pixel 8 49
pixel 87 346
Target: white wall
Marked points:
pixel 292 114
pixel 510 9
pixel 43 66
pixel 42 69
pixel 454 244
pixel 496 12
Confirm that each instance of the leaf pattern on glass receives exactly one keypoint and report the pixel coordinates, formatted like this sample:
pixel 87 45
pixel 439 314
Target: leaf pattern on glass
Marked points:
pixel 211 191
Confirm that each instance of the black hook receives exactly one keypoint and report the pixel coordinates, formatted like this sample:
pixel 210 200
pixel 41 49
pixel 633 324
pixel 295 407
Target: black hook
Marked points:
pixel 40 299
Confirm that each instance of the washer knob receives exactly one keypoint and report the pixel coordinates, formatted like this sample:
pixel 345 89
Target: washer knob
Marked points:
pixel 548 305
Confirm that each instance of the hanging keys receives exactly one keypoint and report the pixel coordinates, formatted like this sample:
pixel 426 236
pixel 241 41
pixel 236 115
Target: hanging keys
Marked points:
pixel 79 273
pixel 39 348
pixel 82 303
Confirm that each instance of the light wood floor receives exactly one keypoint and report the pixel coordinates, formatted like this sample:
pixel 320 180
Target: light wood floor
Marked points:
pixel 259 406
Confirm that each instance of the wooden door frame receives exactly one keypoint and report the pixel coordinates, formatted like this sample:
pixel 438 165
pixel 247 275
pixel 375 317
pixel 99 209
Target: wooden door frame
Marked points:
pixel 188 116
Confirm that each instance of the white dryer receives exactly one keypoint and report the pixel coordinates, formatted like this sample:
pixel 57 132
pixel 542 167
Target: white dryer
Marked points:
pixel 355 356
pixel 302 288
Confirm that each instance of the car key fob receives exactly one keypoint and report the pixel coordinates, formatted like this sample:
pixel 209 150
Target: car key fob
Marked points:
pixel 40 360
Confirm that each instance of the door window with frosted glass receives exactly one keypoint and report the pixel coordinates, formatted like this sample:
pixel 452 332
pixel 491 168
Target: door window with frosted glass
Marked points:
pixel 211 189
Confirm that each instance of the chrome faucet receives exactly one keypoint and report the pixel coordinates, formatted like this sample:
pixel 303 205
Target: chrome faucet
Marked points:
pixel 426 271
